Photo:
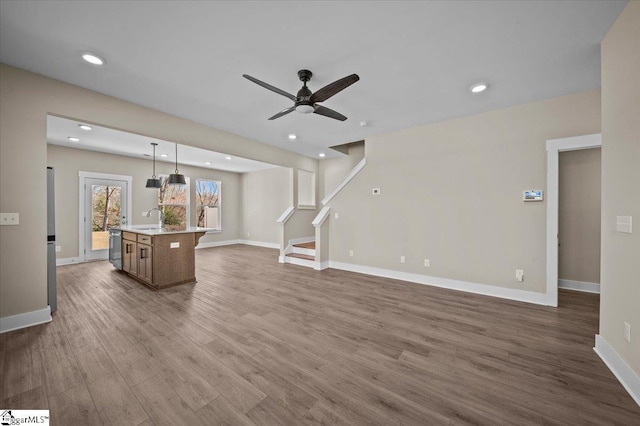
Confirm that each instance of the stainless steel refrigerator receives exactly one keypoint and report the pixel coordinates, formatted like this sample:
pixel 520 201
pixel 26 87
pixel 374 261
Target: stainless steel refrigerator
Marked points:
pixel 51 241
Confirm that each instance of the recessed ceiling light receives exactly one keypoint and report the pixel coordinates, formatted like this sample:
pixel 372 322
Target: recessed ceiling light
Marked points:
pixel 93 59
pixel 479 87
pixel 292 136
pixel 321 154
pixel 208 163
pixel 72 139
pixel 85 127
pixel 164 155
pixel 228 157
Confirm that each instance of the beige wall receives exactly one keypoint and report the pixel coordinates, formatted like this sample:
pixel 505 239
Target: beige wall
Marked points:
pixel 452 192
pixel 25 101
pixel 333 170
pixel 266 194
pixel 68 162
pixel 620 285
pixel 579 216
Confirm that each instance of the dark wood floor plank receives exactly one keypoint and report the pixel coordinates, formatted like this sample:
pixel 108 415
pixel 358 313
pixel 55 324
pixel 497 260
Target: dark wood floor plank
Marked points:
pixel 259 342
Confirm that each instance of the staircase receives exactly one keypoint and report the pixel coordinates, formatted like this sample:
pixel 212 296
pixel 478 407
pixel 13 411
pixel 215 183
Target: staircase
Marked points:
pixel 304 254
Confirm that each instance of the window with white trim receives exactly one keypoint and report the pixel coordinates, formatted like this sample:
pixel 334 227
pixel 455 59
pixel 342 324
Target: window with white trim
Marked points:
pixel 208 203
pixel 173 200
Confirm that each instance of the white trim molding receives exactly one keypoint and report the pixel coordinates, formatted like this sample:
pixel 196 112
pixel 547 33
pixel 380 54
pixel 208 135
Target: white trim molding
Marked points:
pixel 217 244
pixel 629 379
pixel 68 261
pixel 82 176
pixel 579 286
pixel 302 240
pixel 320 266
pixel 469 287
pixel 554 147
pixel 286 215
pixel 345 181
pixel 27 319
pixel 261 244
pixel 321 217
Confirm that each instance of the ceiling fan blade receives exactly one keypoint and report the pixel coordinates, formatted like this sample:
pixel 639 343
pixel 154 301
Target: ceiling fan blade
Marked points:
pixel 327 112
pixel 283 112
pixel 270 87
pixel 331 89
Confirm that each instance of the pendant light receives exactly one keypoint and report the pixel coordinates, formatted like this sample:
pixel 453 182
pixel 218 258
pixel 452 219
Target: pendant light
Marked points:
pixel 154 182
pixel 177 178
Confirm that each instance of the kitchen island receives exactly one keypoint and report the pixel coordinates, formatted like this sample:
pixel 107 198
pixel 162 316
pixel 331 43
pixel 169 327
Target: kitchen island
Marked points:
pixel 159 257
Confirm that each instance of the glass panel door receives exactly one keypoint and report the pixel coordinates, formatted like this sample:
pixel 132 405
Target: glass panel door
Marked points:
pixel 105 207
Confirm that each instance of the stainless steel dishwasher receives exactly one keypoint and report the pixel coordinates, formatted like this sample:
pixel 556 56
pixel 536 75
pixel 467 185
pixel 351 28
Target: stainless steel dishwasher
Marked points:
pixel 115 248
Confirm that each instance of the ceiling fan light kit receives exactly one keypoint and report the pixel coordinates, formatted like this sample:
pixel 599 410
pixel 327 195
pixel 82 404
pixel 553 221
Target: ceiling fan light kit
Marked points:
pixel 306 102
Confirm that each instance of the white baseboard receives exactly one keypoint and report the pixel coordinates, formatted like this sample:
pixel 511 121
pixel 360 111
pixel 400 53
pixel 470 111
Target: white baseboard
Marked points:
pixel 629 379
pixel 68 261
pixel 579 286
pixel 469 287
pixel 319 266
pixel 28 319
pixel 302 240
pixel 260 244
pixel 308 252
pixel 300 262
pixel 217 244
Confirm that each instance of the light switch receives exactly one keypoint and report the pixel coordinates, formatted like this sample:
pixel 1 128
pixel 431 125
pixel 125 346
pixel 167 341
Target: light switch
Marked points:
pixel 9 218
pixel 624 224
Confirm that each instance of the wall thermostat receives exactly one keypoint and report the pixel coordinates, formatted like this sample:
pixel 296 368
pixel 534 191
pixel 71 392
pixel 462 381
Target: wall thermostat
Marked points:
pixel 532 195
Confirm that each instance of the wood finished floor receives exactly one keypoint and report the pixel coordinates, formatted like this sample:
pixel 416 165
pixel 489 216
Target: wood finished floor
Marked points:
pixel 257 342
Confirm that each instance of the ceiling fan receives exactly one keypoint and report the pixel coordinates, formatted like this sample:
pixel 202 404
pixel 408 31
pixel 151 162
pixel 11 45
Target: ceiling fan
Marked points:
pixel 307 102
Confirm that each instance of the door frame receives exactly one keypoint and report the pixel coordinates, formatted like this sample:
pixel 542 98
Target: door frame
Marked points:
pixel 554 148
pixel 82 176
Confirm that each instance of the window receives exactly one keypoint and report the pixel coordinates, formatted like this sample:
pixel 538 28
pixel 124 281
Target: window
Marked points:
pixel 306 189
pixel 208 208
pixel 174 202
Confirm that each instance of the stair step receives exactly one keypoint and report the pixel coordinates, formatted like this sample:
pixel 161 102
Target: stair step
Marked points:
pixel 301 256
pixel 310 245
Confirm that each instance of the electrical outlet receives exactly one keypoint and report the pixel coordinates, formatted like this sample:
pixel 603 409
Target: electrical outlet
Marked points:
pixel 520 275
pixel 248 234
pixel 336 215
pixel 402 259
pixel 351 253
pixel 58 249
pixel 627 332
pixel 9 218
pixel 427 263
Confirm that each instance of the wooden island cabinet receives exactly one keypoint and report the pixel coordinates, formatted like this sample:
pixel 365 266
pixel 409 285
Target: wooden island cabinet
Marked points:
pixel 159 258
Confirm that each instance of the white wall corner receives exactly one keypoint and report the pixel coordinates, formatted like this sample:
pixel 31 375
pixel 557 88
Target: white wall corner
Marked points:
pixel 28 319
pixel 319 266
pixel 629 379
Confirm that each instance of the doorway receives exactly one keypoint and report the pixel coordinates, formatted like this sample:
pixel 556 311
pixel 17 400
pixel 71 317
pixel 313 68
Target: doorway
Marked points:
pixel 554 147
pixel 105 202
pixel 579 220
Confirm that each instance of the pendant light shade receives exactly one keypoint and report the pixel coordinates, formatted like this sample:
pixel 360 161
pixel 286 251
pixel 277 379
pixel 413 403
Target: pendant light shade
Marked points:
pixel 154 182
pixel 177 178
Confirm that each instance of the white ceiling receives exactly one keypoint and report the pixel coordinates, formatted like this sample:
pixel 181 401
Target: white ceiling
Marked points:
pixel 415 60
pixel 112 141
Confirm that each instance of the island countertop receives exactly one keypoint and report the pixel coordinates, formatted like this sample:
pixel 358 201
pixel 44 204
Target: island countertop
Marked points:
pixel 154 230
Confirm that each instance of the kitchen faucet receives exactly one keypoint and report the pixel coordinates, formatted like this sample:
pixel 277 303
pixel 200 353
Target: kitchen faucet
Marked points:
pixel 161 215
